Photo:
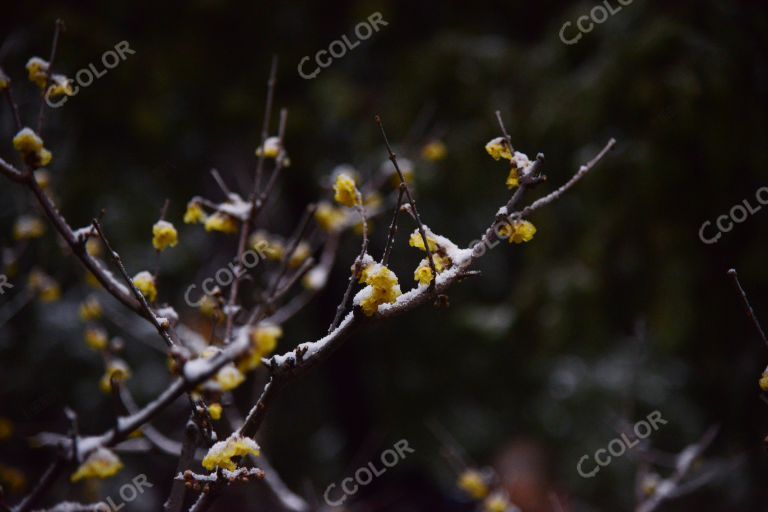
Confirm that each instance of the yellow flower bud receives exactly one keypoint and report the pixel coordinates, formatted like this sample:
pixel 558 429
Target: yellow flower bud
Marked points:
pixel 220 454
pixel 145 283
pixel 434 151
pixel 96 338
pixel 164 235
pixel 194 214
pixel 28 227
pixel 346 193
pixel 473 483
pixel 101 463
pixel 221 222
pixel 499 148
pixel 214 410
pixel 38 69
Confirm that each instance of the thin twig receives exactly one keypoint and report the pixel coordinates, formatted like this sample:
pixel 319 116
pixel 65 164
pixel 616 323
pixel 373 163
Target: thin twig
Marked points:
pixel 393 226
pixel 358 266
pixel 14 107
pixel 583 170
pixel 48 478
pixel 220 182
pixel 59 25
pixel 423 233
pixel 747 306
pixel 265 124
pixel 136 293
pixel 246 227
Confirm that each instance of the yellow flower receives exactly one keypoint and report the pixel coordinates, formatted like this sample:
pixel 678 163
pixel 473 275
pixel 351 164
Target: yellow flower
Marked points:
pixel 434 151
pixel 214 410
pixel 6 429
pixel 37 68
pixel 423 274
pixel 91 281
pixel 47 289
pixel 60 86
pixel 43 157
pixel 220 454
pixel 266 246
pixel 328 217
pixel 496 503
pixel 29 144
pixel 650 484
pixel 346 192
pixel 518 231
pixel 301 253
pixel 96 338
pixel 27 141
pixel 764 381
pixel 12 479
pixel 43 178
pixel 473 483
pixel 90 309
pixel 118 371
pixel 194 213
pixel 229 378
pixel 271 148
pixel 164 235
pixel 264 338
pixel 5 81
pixel 28 227
pixel 221 222
pixel 382 288
pixel 499 148
pixel 210 308
pixel 101 463
pixel 93 247
pixel 145 283
pixel 417 241
pixel 513 180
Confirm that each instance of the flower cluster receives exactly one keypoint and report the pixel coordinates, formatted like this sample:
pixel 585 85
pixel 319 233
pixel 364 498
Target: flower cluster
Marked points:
pixel 30 145
pixel 517 231
pixel 220 454
pixel 423 273
pixel 382 288
pixel 520 164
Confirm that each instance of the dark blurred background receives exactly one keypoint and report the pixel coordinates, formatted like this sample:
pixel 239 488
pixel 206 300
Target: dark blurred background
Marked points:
pixel 614 310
